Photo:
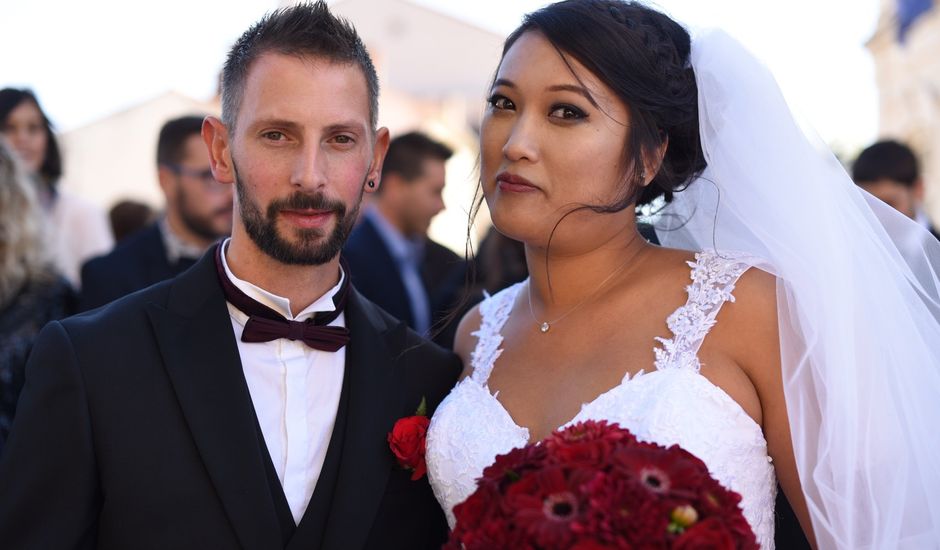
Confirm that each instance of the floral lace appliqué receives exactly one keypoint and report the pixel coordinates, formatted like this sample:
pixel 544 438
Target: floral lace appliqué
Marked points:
pixel 494 312
pixel 713 278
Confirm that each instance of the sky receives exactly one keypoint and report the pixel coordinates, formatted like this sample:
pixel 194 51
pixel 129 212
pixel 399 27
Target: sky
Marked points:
pixel 88 59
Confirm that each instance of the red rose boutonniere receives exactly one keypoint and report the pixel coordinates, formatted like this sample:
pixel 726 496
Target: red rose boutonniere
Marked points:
pixel 407 441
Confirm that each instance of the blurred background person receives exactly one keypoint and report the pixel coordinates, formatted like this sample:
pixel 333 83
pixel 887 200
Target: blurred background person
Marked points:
pixel 128 217
pixel 32 293
pixel 198 213
pixel 78 229
pixel 890 171
pixel 392 261
pixel 499 263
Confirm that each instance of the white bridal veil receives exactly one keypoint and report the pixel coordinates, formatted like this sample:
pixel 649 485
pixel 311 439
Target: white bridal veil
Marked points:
pixel 858 298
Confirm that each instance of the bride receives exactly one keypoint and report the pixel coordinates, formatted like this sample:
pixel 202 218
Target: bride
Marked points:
pixel 776 346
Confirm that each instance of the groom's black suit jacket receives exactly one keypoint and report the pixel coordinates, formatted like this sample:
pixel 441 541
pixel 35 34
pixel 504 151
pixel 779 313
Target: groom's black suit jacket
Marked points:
pixel 136 430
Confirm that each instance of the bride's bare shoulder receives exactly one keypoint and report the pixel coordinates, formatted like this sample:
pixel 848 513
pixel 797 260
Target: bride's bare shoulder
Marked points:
pixel 755 296
pixel 752 313
pixel 751 320
pixel 759 288
pixel 755 290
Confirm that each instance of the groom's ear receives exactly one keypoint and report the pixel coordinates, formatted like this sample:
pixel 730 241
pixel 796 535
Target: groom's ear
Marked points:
pixel 378 158
pixel 215 135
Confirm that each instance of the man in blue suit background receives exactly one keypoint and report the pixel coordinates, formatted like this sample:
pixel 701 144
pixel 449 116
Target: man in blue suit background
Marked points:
pixel 391 258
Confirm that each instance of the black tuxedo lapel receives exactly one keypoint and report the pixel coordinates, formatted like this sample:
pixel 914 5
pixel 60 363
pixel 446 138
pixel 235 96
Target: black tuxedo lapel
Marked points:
pixel 200 354
pixel 375 403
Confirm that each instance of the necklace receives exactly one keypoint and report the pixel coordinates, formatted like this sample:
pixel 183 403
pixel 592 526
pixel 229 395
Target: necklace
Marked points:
pixel 545 326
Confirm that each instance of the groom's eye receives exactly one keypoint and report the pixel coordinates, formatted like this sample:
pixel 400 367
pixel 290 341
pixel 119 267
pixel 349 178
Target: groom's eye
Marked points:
pixel 274 135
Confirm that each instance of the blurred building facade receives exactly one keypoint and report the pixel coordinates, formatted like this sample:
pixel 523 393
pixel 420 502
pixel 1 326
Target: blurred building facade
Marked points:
pixel 906 50
pixel 434 72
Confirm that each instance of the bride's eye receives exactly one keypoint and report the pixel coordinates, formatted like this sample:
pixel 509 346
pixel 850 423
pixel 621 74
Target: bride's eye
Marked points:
pixel 500 102
pixel 567 112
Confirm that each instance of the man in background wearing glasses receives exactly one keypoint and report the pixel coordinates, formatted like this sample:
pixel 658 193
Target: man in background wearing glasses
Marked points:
pixel 198 213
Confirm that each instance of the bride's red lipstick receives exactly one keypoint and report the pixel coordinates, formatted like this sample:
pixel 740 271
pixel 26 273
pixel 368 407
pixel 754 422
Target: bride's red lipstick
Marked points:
pixel 513 183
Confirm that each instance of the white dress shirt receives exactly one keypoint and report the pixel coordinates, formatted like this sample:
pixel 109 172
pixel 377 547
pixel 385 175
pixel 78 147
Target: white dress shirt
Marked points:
pixel 295 390
pixel 176 248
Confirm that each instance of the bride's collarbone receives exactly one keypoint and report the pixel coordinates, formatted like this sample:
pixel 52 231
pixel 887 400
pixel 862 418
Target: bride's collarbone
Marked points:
pixel 588 342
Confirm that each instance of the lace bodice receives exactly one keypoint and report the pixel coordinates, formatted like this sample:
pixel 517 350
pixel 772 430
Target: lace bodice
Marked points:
pixel 671 404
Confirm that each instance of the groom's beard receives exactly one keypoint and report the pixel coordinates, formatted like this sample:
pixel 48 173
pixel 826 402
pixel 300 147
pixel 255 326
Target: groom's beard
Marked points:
pixel 311 247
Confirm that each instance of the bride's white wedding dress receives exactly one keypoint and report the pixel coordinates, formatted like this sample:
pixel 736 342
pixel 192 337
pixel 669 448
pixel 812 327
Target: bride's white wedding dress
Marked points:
pixel 671 404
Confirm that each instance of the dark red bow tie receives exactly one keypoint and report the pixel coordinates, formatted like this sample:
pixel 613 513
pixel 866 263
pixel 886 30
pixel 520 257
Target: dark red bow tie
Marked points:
pixel 264 324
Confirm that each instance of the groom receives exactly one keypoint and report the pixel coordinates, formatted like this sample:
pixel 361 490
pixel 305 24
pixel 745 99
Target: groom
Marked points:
pixel 246 403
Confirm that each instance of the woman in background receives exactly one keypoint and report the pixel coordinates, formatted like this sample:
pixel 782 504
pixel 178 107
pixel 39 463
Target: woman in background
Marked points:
pixel 31 291
pixel 78 229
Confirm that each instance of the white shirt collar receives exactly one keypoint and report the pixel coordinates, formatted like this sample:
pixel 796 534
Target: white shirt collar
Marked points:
pixel 175 247
pixel 279 303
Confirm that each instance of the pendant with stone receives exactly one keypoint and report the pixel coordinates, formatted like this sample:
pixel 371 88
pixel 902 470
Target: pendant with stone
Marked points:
pixel 544 327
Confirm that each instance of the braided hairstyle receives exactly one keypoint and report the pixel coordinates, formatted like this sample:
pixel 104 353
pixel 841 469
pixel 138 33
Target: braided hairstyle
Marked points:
pixel 643 56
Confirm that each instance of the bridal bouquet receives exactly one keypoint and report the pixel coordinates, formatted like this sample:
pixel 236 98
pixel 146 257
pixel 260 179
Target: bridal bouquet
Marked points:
pixel 593 486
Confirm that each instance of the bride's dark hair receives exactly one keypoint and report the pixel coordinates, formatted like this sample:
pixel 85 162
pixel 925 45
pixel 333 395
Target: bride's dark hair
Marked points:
pixel 643 56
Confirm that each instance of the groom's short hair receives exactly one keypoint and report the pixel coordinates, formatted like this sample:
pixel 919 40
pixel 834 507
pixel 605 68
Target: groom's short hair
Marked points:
pixel 303 30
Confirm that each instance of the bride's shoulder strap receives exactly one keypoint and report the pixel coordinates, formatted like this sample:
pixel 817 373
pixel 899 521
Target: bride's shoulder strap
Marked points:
pixel 714 274
pixel 494 311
